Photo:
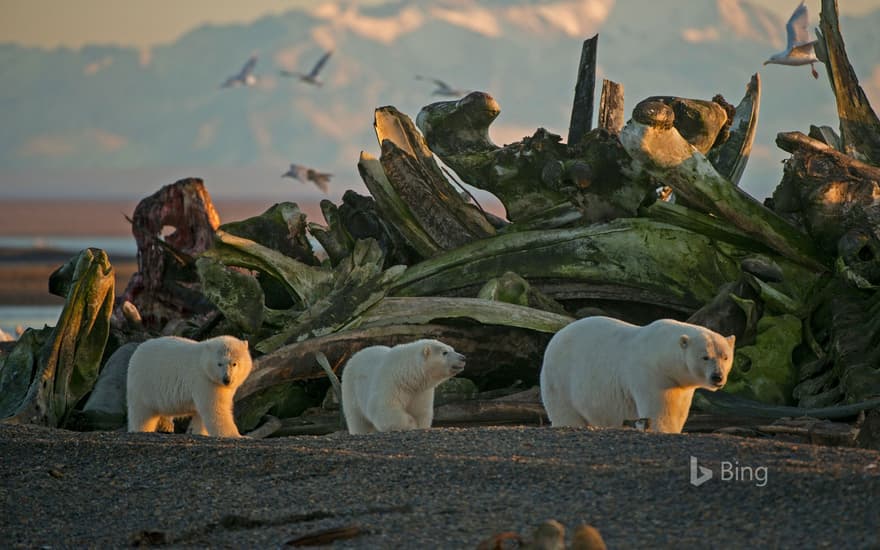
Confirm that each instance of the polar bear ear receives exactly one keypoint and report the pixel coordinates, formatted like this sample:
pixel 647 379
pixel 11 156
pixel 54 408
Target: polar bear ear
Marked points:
pixel 731 340
pixel 683 341
pixel 426 351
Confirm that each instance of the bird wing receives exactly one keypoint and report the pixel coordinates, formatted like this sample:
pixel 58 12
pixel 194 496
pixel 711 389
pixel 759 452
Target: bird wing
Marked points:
pixel 320 179
pixel 299 172
pixel 320 64
pixel 248 67
pixel 439 83
pixel 803 51
pixel 796 28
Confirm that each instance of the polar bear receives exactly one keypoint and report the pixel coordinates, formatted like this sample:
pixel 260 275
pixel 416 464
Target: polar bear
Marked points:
pixel 174 377
pixel 386 389
pixel 602 371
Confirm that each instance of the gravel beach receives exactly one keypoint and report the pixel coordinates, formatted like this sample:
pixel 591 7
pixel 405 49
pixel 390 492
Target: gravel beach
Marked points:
pixel 438 488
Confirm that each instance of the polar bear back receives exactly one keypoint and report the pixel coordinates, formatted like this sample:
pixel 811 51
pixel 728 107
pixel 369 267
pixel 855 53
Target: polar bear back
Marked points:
pixel 393 388
pixel 166 373
pixel 602 371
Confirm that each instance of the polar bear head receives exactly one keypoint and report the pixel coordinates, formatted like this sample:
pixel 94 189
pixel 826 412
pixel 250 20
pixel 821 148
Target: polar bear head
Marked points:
pixel 440 360
pixel 708 356
pixel 226 360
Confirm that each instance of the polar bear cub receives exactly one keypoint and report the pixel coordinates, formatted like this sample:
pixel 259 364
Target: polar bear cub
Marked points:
pixel 174 377
pixel 386 389
pixel 602 371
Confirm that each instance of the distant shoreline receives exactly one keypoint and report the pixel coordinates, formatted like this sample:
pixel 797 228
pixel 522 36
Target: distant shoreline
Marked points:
pixel 26 283
pixel 106 218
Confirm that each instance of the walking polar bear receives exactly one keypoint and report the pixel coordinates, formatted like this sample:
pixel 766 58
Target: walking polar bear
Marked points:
pixel 176 377
pixel 385 389
pixel 602 371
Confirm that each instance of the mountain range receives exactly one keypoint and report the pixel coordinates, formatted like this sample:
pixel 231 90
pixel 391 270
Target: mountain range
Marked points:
pixel 109 120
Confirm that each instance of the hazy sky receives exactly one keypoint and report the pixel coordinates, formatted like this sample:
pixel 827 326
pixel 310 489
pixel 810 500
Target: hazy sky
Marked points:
pixel 139 23
pixel 144 23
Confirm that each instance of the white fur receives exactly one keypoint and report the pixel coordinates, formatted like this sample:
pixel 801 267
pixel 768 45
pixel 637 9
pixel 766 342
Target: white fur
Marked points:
pixel 602 371
pixel 176 377
pixel 386 389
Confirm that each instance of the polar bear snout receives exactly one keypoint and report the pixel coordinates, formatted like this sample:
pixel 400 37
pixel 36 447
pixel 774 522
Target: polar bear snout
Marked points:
pixel 717 379
pixel 456 362
pixel 226 380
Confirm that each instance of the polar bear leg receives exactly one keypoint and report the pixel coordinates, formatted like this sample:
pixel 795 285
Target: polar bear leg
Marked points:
pixel 214 408
pixel 142 420
pixel 422 409
pixel 668 410
pixel 165 424
pixel 196 426
pixel 565 415
pixel 559 409
pixel 357 423
pixel 394 419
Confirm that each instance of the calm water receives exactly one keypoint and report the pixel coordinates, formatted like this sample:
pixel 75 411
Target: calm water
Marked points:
pixel 114 246
pixel 28 316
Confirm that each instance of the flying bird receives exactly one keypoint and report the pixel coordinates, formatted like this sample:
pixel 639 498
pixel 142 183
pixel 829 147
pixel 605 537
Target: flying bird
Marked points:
pixel 799 47
pixel 245 77
pixel 312 76
pixel 443 88
pixel 306 174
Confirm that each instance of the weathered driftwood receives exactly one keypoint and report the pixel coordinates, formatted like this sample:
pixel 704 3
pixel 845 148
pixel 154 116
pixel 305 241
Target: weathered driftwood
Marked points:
pixel 395 311
pixel 513 289
pixel 730 157
pixel 723 403
pixel 413 173
pixel 395 211
pixel 482 413
pixel 47 374
pixel 489 348
pixel 458 133
pixel 358 282
pixel 859 125
pixel 585 86
pixel 611 110
pixel 281 227
pixel 238 295
pixel 832 196
pixel 698 121
pixel 653 141
pixel 165 284
pixel 304 283
pixel 361 218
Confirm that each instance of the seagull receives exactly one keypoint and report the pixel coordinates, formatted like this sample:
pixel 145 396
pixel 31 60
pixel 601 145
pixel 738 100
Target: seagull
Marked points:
pixel 312 76
pixel 305 175
pixel 799 47
pixel 443 88
pixel 245 77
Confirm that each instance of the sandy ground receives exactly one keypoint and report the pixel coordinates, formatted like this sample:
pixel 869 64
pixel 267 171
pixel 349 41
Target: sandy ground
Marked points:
pixel 439 488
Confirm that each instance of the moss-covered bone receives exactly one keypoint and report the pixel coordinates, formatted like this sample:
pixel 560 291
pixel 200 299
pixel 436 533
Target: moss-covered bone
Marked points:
pixel 68 362
pixel 635 260
pixel 238 295
pixel 413 173
pixel 730 158
pixel 282 227
pixel 697 120
pixel 458 133
pixel 654 143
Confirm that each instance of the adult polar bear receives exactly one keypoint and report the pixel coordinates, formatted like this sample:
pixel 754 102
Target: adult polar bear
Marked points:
pixel 602 371
pixel 385 389
pixel 175 377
